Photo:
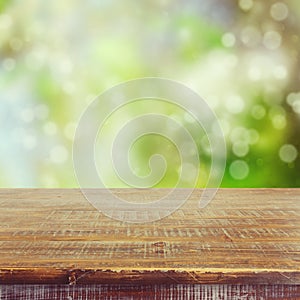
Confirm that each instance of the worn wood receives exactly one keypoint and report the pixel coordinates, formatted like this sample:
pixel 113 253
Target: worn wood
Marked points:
pixel 244 236
pixel 158 292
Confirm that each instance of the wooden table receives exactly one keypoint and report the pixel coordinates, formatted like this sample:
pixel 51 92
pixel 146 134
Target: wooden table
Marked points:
pixel 244 245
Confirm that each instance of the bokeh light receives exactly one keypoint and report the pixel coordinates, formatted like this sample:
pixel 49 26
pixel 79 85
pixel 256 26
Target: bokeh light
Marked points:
pixel 242 57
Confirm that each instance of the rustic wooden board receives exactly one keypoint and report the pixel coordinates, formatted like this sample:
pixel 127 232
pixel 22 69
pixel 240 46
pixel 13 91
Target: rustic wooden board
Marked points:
pixel 244 236
pixel 157 292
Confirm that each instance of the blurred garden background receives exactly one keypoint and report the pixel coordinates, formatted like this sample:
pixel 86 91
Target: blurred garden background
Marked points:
pixel 242 57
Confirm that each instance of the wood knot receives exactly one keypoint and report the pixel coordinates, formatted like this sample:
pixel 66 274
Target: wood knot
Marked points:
pixel 160 247
pixel 72 278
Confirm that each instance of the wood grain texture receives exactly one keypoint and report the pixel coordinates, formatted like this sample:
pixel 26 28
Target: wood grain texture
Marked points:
pixel 244 236
pixel 157 292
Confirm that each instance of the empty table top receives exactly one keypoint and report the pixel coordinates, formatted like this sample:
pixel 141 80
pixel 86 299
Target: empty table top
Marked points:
pixel 242 236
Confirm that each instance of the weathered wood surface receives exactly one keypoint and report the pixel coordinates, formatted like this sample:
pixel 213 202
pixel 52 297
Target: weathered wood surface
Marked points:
pixel 157 292
pixel 244 236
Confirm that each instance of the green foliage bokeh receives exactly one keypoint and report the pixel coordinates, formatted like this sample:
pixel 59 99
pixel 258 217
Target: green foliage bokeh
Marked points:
pixel 242 57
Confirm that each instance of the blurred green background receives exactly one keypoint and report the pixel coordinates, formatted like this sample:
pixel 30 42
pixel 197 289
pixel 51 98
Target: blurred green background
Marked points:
pixel 242 57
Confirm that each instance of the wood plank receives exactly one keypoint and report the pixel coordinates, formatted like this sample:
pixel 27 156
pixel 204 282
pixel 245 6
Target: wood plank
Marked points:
pixel 163 292
pixel 244 236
